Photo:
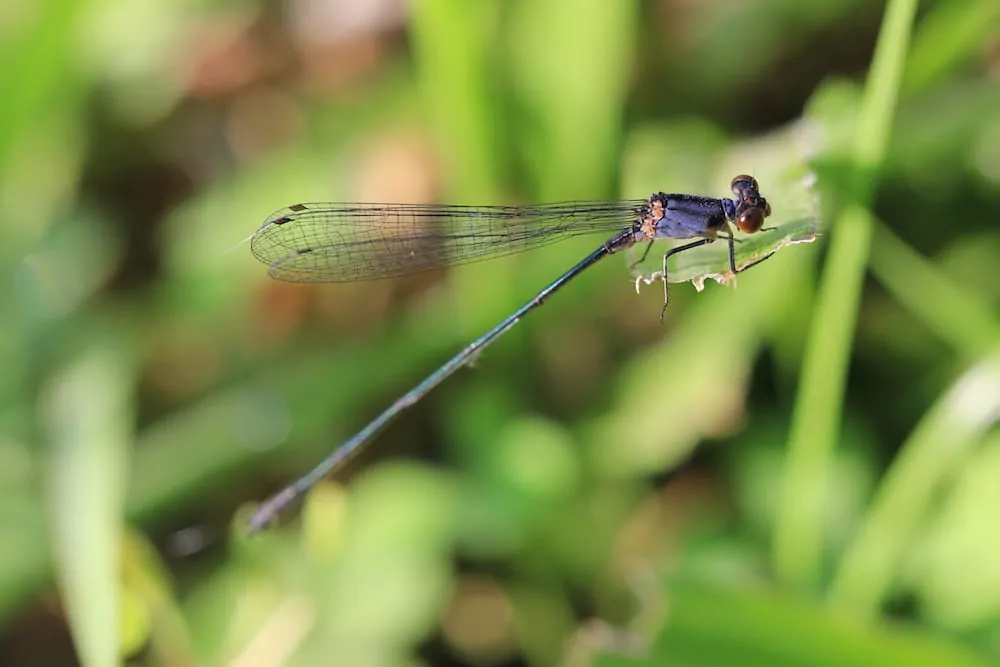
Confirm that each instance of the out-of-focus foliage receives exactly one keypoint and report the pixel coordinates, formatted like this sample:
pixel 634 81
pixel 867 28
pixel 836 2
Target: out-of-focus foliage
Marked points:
pixel 798 471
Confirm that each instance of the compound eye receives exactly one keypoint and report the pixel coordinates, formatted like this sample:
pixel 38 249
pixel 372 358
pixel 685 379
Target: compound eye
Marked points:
pixel 751 220
pixel 767 209
pixel 743 182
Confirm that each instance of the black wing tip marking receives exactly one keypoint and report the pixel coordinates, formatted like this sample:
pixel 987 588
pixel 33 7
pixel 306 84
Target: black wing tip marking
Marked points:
pixel 285 215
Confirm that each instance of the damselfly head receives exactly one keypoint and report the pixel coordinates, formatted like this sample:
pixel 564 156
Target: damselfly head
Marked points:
pixel 751 207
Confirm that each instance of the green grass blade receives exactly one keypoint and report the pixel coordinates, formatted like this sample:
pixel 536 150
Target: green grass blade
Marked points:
pixel 89 416
pixel 927 459
pixel 797 549
pixel 713 624
pixel 955 314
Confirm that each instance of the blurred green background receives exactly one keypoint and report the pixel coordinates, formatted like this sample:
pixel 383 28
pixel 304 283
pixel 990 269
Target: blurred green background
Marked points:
pixel 800 471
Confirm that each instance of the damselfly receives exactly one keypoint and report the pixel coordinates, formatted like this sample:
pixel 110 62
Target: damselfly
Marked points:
pixel 353 242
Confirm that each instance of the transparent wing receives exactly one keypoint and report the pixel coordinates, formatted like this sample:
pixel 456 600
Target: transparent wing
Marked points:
pixel 351 242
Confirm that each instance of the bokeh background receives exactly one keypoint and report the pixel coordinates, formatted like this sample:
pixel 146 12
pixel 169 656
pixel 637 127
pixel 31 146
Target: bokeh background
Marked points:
pixel 800 471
